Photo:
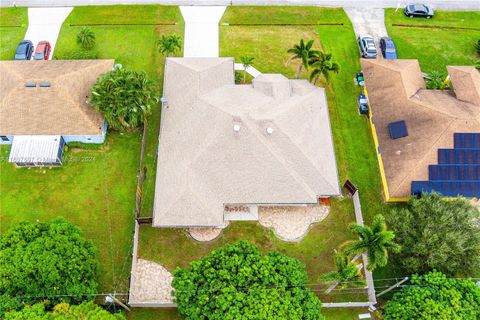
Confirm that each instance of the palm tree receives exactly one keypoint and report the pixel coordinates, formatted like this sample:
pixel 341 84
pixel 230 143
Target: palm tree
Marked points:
pixel 376 240
pixel 86 38
pixel 348 273
pixel 322 66
pixel 302 52
pixel 246 62
pixel 169 44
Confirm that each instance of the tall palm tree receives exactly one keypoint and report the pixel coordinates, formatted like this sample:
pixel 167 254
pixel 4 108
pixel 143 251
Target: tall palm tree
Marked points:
pixel 376 240
pixel 302 52
pixel 169 44
pixel 348 273
pixel 322 65
pixel 246 62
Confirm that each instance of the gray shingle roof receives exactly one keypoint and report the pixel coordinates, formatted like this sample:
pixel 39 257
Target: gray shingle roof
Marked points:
pixel 220 143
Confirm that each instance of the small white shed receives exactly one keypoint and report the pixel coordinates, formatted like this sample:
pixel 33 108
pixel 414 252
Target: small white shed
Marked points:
pixel 38 150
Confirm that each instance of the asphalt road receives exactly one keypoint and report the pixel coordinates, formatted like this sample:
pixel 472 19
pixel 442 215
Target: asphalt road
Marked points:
pixel 436 4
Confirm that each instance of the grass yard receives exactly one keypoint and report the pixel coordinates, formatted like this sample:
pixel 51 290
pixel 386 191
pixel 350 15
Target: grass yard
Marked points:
pixel 96 188
pixel 447 39
pixel 13 25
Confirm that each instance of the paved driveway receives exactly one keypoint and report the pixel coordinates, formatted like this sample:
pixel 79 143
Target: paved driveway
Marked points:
pixel 368 21
pixel 45 24
pixel 201 30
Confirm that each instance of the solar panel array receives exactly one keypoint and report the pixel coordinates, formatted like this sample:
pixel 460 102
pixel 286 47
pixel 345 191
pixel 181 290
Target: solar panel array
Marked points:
pixel 458 170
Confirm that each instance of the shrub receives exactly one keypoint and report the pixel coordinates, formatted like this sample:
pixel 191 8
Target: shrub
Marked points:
pixel 438 234
pixel 47 261
pixel 433 297
pixel 86 38
pixel 436 80
pixel 238 282
pixel 238 77
pixel 124 97
pixel 477 46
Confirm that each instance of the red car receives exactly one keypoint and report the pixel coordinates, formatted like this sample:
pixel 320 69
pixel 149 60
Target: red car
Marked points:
pixel 42 52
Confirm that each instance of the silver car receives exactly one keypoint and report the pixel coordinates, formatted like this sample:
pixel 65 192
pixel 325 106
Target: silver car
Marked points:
pixel 367 46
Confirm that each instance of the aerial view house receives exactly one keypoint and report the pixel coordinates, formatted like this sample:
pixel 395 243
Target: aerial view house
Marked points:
pixel 427 140
pixel 227 149
pixel 44 104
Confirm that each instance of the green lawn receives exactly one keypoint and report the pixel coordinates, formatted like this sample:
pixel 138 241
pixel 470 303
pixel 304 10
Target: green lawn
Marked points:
pixel 447 39
pixel 13 25
pixel 96 188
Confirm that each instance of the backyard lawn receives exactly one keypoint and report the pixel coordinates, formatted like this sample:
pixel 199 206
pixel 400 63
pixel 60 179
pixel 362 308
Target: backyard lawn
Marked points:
pixel 95 189
pixel 447 39
pixel 13 25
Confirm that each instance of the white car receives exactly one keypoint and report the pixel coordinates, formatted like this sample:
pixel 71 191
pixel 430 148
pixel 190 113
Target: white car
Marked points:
pixel 367 46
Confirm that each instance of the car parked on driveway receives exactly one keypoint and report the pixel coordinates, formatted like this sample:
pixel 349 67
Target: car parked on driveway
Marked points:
pixel 42 52
pixel 367 46
pixel 388 48
pixel 24 50
pixel 419 10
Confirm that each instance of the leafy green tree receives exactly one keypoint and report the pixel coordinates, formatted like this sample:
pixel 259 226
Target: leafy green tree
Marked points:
pixel 169 44
pixel 86 38
pixel 347 273
pixel 434 297
pixel 64 311
pixel 124 97
pixel 376 240
pixel 246 62
pixel 238 282
pixel 47 260
pixel 322 65
pixel 304 53
pixel 436 80
pixel 438 234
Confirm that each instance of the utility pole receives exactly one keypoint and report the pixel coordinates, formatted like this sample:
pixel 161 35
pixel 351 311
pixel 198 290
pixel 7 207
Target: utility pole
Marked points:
pixel 112 299
pixel 393 287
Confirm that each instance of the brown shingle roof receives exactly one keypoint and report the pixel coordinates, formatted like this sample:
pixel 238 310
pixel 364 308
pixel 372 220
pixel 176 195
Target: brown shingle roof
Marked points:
pixel 57 110
pixel 396 92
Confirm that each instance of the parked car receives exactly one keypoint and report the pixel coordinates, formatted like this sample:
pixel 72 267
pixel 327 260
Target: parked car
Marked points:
pixel 388 48
pixel 362 103
pixel 418 10
pixel 367 46
pixel 24 50
pixel 42 52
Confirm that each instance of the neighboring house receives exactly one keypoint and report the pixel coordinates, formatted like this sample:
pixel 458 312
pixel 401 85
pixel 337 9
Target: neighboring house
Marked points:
pixel 44 104
pixel 226 149
pixel 427 140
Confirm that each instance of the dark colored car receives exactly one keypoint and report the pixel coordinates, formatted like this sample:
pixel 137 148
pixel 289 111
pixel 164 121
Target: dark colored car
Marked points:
pixel 367 46
pixel 42 52
pixel 418 10
pixel 24 50
pixel 388 48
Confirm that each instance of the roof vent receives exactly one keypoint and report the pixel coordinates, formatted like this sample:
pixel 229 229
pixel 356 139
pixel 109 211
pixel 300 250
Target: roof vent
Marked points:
pixel 44 84
pixel 269 130
pixel 236 127
pixel 31 84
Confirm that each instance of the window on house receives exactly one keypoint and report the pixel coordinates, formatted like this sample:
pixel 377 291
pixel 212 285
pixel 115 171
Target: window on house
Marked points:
pixel 4 138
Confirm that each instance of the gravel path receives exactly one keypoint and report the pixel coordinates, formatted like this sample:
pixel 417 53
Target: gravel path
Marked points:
pixel 291 223
pixel 205 234
pixel 152 283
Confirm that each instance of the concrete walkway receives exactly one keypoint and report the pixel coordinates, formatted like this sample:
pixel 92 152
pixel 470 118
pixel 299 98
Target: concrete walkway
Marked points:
pixel 45 24
pixel 368 21
pixel 250 70
pixel 436 4
pixel 201 30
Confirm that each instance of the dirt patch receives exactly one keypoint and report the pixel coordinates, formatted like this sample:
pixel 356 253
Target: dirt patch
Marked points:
pixel 291 223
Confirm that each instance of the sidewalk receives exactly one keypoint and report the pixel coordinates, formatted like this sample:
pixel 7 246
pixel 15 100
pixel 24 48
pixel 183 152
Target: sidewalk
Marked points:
pixel 45 24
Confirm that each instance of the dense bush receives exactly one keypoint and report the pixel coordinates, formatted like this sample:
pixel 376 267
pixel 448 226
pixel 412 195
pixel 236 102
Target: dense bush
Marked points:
pixel 238 282
pixel 436 80
pixel 64 311
pixel 477 46
pixel 434 297
pixel 124 97
pixel 50 261
pixel 438 234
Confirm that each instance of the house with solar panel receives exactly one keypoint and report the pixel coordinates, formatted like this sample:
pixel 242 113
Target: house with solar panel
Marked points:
pixel 44 105
pixel 426 140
